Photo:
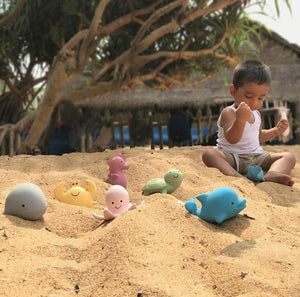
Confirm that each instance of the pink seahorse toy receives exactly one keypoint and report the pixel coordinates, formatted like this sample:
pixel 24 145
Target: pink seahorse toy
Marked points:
pixel 116 165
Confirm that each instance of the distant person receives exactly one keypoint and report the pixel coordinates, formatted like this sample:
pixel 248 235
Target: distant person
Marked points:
pixel 240 133
pixel 180 125
pixel 140 128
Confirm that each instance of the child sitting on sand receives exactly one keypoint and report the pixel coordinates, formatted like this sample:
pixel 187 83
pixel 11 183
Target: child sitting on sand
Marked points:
pixel 240 133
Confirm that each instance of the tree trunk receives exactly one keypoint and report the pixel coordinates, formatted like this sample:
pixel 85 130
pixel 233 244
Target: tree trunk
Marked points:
pixel 43 113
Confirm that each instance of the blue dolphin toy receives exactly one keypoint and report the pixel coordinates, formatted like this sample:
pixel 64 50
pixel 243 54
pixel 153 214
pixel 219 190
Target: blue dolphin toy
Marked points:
pixel 255 173
pixel 217 206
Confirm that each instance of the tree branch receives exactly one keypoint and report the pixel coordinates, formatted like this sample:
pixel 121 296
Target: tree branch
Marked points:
pixel 163 30
pixel 14 14
pixel 186 55
pixel 91 32
pixel 185 83
pixel 34 95
pixel 156 15
pixel 3 131
pixel 199 11
pixel 25 122
pixel 114 26
pixel 106 30
pixel 89 93
pixel 12 87
pixel 230 60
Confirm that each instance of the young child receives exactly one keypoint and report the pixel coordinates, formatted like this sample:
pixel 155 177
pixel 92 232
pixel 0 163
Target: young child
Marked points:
pixel 240 133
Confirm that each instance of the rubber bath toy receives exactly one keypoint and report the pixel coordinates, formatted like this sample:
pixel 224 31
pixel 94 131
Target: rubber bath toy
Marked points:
pixel 26 201
pixel 169 184
pixel 217 206
pixel 116 165
pixel 76 195
pixel 117 202
pixel 255 173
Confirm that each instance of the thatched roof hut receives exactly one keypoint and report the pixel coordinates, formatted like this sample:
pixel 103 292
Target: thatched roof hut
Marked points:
pixel 285 83
pixel 210 92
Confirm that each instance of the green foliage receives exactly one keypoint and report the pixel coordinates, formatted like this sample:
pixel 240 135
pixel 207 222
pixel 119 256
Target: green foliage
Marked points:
pixel 43 27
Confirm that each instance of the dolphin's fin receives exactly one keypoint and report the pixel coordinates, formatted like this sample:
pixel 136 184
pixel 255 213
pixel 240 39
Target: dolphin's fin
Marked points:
pixel 202 198
pixel 220 218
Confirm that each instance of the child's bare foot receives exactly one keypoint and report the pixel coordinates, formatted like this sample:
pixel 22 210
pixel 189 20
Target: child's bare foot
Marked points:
pixel 277 177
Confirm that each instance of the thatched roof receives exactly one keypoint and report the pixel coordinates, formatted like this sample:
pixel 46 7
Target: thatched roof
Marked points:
pixel 285 83
pixel 285 86
pixel 279 39
pixel 178 96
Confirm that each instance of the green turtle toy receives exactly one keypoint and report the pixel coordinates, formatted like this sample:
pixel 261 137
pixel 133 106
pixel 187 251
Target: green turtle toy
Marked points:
pixel 169 184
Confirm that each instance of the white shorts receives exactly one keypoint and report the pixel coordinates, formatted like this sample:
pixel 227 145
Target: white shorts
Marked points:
pixel 242 161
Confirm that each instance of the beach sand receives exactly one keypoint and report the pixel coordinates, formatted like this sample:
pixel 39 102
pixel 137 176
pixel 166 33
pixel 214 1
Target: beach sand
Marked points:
pixel 158 249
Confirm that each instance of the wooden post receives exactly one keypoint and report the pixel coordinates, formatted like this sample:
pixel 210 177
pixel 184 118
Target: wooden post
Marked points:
pixel 199 125
pixel 82 142
pixel 11 142
pixel 18 140
pixel 3 146
pixel 161 142
pixel 122 135
pixel 89 142
pixel 154 124
pixel 209 122
pixel 297 123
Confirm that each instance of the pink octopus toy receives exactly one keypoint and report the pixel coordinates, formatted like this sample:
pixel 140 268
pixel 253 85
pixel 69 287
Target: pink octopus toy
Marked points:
pixel 117 202
pixel 116 165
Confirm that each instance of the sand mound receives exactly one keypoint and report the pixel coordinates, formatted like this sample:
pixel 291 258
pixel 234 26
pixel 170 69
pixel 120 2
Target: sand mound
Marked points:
pixel 158 249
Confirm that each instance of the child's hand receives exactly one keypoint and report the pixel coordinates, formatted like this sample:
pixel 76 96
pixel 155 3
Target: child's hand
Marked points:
pixel 281 126
pixel 243 112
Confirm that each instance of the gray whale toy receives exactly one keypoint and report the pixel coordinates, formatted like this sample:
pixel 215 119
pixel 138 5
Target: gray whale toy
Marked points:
pixel 26 201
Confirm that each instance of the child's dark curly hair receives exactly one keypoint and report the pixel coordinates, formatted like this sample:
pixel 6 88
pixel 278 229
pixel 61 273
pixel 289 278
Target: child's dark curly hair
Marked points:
pixel 251 71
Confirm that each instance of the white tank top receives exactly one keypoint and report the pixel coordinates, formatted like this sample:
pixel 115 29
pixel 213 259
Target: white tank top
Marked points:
pixel 249 142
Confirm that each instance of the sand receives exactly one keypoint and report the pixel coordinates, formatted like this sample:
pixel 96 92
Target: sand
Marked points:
pixel 158 249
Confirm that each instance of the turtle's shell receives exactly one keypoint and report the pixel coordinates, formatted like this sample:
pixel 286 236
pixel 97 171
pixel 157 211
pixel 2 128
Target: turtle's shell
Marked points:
pixel 170 183
pixel 154 185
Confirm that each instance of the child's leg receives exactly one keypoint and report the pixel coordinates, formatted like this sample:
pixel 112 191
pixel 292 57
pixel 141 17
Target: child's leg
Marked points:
pixel 279 167
pixel 217 159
